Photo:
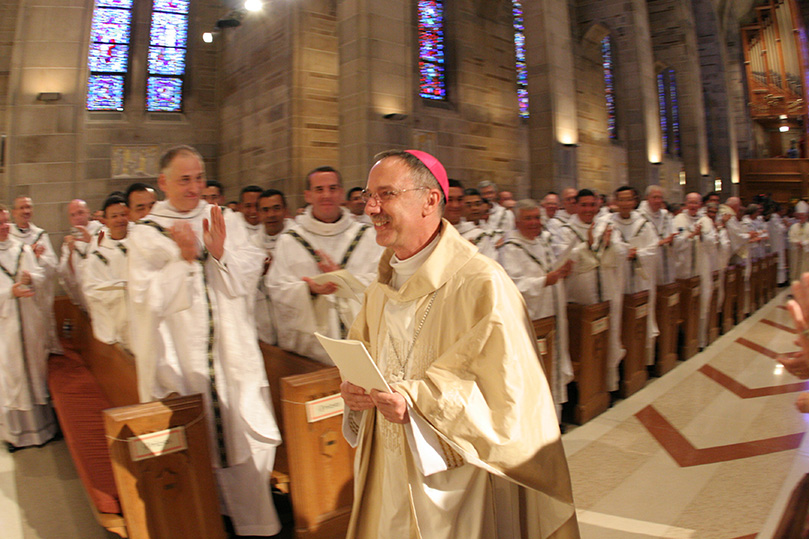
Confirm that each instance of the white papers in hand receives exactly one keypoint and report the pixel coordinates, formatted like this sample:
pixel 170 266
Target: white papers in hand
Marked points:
pixel 354 362
pixel 347 285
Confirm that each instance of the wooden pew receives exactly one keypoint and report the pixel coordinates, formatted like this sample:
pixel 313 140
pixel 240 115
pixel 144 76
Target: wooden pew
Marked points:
pixel 731 285
pixel 742 293
pixel 320 460
pixel 588 336
pixel 634 331
pixel 545 331
pixel 713 309
pixel 689 314
pixel 169 495
pixel 773 280
pixel 667 310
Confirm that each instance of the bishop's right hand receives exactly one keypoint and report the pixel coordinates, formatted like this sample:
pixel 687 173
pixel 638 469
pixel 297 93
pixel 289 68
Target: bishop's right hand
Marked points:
pixel 355 397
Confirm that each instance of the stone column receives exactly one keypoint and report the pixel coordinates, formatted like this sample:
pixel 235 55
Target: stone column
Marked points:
pixel 553 130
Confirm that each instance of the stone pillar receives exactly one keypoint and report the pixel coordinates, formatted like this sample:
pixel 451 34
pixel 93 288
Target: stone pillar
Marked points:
pixel 719 116
pixel 553 130
pixel 674 42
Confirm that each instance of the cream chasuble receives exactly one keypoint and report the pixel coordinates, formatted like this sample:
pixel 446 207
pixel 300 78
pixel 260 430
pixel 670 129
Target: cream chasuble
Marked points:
pixel 482 416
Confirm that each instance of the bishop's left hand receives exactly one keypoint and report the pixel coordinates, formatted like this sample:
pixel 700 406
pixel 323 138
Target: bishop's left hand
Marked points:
pixel 392 406
pixel 213 233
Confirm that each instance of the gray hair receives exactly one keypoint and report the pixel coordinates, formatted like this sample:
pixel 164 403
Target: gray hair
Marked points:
pixel 524 204
pixel 487 183
pixel 651 188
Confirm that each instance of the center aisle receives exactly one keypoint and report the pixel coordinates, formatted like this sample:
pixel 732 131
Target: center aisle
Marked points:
pixel 711 450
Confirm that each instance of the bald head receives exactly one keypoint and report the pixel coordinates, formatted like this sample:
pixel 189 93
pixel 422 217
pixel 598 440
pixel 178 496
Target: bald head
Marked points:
pixel 692 203
pixel 569 200
pixel 734 203
pixel 78 213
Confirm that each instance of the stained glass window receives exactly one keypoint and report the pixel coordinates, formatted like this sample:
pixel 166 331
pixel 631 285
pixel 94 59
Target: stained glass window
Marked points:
pixel 669 111
pixel 432 69
pixel 522 70
pixel 663 109
pixel 675 114
pixel 609 85
pixel 167 49
pixel 108 59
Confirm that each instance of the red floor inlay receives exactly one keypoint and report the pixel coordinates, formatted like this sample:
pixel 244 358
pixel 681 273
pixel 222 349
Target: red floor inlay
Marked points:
pixel 761 349
pixel 745 392
pixel 777 325
pixel 685 454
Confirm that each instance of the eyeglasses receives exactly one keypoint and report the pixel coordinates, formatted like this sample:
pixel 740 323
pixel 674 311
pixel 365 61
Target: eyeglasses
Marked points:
pixel 386 195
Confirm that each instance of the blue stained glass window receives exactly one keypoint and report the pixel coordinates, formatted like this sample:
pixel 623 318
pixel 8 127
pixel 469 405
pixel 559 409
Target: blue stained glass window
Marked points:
pixel 663 109
pixel 105 92
pixel 522 69
pixel 169 29
pixel 110 25
pixel 108 59
pixel 171 6
pixel 166 61
pixel 675 114
pixel 164 94
pixel 168 40
pixel 432 74
pixel 609 85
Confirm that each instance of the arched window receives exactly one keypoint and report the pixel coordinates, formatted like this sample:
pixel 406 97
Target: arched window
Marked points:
pixel 432 68
pixel 108 59
pixel 167 49
pixel 522 70
pixel 609 85
pixel 669 111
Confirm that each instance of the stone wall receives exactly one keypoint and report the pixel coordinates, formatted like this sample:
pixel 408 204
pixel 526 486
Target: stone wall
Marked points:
pixel 58 151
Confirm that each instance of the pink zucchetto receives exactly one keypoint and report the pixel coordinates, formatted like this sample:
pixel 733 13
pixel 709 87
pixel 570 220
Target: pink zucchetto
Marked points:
pixel 435 166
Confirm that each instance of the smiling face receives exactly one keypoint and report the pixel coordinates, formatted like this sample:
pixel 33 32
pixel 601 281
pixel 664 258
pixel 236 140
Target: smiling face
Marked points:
pixel 249 207
pixel 405 221
pixel 626 203
pixel 183 181
pixel 272 211
pixel 529 223
pixel 453 211
pixel 355 204
pixel 475 208
pixel 23 212
pixel 551 205
pixel 117 219
pixel 325 195
pixel 587 208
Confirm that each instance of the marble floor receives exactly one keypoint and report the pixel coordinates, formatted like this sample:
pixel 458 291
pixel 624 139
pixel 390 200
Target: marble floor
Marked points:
pixel 712 449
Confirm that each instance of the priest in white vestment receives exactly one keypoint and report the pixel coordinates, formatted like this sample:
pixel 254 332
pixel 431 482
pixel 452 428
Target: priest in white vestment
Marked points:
pixel 777 229
pixel 26 417
pixel 570 206
pixel 140 198
pixel 248 209
pixel 639 266
pixel 741 237
pixel 467 445
pixel 597 254
pixel 472 227
pixel 75 248
pixel 39 241
pixel 272 209
pixel 528 258
pixel 105 276
pixel 188 269
pixel 799 242
pixel 501 219
pixel 550 207
pixel 324 239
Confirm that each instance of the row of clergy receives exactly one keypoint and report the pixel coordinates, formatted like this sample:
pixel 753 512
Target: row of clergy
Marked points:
pixel 581 253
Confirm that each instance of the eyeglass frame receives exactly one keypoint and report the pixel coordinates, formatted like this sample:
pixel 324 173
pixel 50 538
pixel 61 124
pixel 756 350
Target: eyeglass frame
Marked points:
pixel 389 194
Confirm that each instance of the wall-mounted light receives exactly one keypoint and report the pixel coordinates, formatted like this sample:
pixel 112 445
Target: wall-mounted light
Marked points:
pixel 233 18
pixel 682 177
pixel 207 37
pixel 657 163
pixel 49 97
pixel 570 145
pixel 395 116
